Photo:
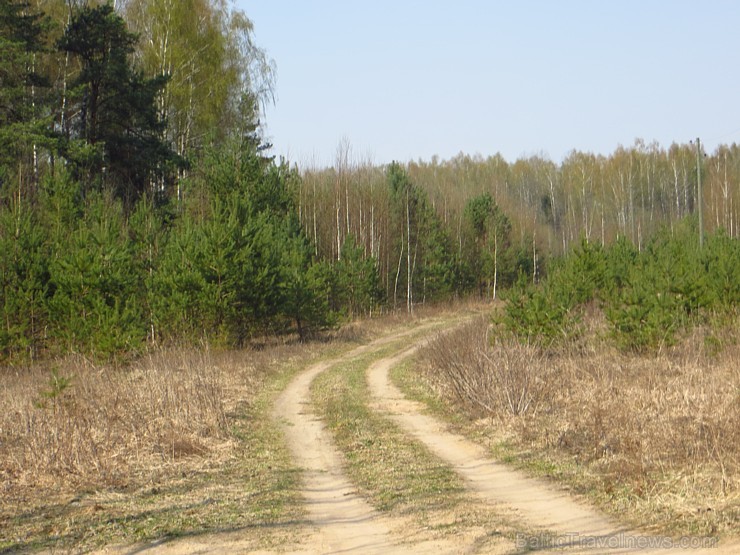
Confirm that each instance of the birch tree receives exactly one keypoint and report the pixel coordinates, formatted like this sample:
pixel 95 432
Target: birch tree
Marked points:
pixel 218 77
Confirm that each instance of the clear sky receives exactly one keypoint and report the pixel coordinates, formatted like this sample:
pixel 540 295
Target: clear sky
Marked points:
pixel 410 79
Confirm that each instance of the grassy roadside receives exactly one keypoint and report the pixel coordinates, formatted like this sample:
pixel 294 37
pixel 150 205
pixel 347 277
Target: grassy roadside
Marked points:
pixel 397 474
pixel 242 480
pixel 604 393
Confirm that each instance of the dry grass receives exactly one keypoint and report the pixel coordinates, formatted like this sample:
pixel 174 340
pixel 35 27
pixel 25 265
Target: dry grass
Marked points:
pixel 179 442
pixel 485 381
pixel 397 474
pixel 654 438
pixel 73 423
pixel 82 424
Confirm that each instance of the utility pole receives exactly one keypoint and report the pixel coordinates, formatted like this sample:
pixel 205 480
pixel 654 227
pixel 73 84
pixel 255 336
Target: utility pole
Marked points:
pixel 699 194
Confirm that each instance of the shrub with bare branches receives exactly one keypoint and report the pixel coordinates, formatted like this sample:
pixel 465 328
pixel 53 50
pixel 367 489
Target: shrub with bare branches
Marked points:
pixel 488 378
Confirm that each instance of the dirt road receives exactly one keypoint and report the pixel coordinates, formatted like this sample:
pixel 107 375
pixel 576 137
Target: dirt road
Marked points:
pixel 341 521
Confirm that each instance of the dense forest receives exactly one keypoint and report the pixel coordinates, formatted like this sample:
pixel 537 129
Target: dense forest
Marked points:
pixel 139 203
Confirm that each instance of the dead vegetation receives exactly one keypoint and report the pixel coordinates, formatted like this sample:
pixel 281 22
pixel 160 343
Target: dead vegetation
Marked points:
pixel 655 438
pixel 497 381
pixel 83 424
pixel 178 442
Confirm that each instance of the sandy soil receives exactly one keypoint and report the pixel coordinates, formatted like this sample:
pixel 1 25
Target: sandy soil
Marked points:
pixel 343 521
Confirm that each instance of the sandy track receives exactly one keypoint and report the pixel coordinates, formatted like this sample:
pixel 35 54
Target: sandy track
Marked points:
pixel 343 522
pixel 340 521
pixel 554 511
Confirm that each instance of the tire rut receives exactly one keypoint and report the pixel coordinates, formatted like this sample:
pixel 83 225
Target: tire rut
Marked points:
pixel 342 521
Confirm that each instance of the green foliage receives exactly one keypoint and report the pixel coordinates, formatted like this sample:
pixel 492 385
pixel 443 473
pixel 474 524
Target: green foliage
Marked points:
pixel 720 261
pixel 478 212
pixel 535 313
pixel 58 384
pixel 577 278
pixel 356 282
pixel 439 272
pixel 218 76
pixel 24 92
pixel 620 260
pixel 642 317
pixel 432 270
pixel 304 289
pixel 242 265
pixel 148 226
pixel 552 311
pixel 665 290
pixel 117 139
pixel 79 272
pixel 95 283
pixel 398 180
pixel 489 243
pixel 97 259
pixel 648 297
pixel 23 281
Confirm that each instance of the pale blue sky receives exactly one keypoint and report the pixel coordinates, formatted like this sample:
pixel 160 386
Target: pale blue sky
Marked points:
pixel 408 79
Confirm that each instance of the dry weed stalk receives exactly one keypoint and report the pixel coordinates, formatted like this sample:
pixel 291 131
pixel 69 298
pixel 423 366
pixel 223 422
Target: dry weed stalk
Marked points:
pixel 516 369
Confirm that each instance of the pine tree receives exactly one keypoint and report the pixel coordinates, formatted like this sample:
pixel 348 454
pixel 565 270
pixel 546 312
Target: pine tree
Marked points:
pixel 491 230
pixel 95 283
pixel 439 273
pixel 117 140
pixel 24 122
pixel 357 280
pixel 23 282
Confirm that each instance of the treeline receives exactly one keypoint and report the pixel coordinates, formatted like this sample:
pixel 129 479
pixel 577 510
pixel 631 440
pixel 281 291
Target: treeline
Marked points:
pixel 86 271
pixel 534 209
pixel 124 100
pixel 134 202
pixel 81 272
pixel 631 193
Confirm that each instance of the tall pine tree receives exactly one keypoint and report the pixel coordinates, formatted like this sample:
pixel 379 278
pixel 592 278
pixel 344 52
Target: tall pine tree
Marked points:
pixel 117 140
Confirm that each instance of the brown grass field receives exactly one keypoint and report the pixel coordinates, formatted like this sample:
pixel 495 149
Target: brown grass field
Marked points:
pixel 176 442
